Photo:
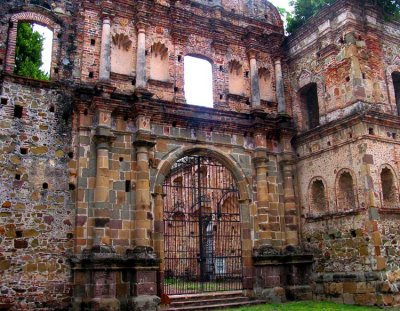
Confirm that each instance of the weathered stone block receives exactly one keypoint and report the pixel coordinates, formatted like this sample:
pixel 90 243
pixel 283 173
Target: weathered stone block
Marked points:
pixel 145 303
pixel 20 244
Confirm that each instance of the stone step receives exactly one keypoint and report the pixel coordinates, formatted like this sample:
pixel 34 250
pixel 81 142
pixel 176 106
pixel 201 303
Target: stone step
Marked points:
pixel 224 294
pixel 209 301
pixel 216 306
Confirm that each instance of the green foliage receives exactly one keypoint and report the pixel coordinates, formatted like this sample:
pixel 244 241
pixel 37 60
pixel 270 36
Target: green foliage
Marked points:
pixel 304 9
pixel 28 53
pixel 391 8
pixel 305 306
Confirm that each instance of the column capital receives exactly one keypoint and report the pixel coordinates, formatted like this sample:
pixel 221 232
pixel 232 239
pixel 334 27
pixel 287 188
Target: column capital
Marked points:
pixel 103 141
pixel 144 139
pixel 103 137
pixel 252 53
pixel 106 8
pixel 287 165
pixel 141 26
pixel 261 162
pixel 106 18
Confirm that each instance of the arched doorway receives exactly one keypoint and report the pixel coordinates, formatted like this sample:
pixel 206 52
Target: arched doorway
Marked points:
pixel 202 233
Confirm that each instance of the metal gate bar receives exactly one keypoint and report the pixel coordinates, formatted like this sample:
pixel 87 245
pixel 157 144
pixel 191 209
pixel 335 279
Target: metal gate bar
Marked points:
pixel 202 241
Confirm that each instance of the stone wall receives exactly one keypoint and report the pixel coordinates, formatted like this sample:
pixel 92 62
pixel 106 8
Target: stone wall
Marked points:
pixel 163 27
pixel 347 62
pixel 348 230
pixel 37 217
pixel 36 197
pixel 84 155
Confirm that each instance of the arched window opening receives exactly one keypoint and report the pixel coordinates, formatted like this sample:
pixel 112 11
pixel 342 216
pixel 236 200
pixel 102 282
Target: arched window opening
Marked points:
pixel 346 198
pixel 33 51
pixel 265 82
pixel 159 62
pixel 309 100
pixel 236 78
pixel 198 81
pixel 389 191
pixel 396 85
pixel 318 198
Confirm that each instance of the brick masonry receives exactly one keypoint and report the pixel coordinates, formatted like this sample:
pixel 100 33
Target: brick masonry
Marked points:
pixel 81 217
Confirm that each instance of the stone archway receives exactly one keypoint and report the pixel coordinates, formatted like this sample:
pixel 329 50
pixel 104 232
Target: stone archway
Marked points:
pixel 244 225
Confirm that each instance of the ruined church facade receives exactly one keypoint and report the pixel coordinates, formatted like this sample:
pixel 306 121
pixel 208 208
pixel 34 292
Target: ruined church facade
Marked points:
pixel 109 178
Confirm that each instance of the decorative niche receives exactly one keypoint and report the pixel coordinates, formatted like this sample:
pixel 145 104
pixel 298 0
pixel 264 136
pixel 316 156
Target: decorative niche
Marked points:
pixel 123 57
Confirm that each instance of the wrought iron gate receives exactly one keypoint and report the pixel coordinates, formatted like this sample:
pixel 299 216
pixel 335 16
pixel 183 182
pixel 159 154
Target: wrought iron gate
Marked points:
pixel 202 241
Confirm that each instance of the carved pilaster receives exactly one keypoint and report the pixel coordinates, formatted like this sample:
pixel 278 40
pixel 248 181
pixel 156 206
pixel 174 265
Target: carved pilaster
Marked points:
pixel 255 87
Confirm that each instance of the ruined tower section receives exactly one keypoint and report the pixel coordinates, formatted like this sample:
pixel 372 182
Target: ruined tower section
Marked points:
pixel 36 210
pixel 344 81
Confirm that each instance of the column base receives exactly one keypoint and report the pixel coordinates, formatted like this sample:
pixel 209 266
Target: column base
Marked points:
pixel 145 303
pixel 282 274
pixel 107 281
pixel 97 304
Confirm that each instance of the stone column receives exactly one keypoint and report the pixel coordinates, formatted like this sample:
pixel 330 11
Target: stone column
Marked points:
pixel 144 286
pixel 142 201
pixel 264 234
pixel 143 216
pixel 102 171
pixel 158 238
pixel 141 56
pixel 105 53
pixel 100 213
pixel 291 215
pixel 158 235
pixel 276 207
pixel 280 89
pixel 255 86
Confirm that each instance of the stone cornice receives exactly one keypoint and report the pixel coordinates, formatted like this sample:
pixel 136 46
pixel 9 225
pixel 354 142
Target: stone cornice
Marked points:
pixel 372 117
